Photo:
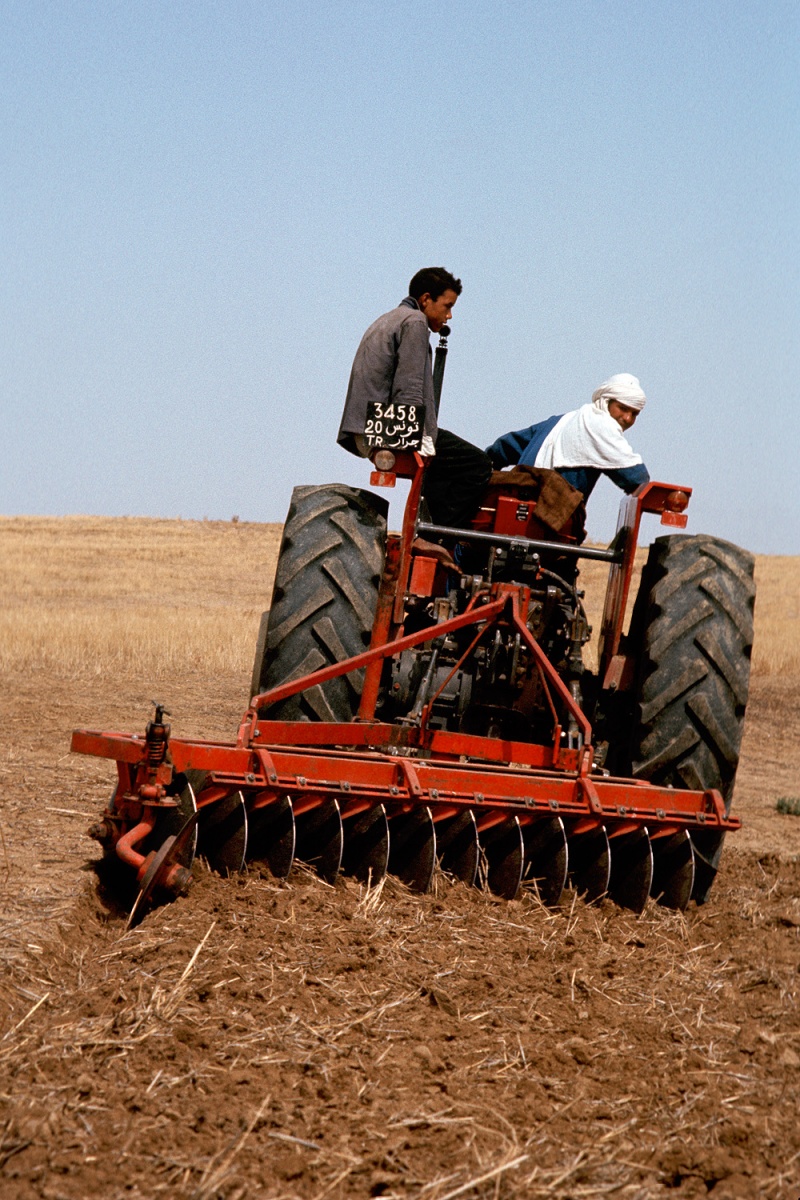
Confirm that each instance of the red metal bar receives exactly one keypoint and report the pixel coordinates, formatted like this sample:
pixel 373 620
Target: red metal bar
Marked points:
pixel 382 628
pixel 436 743
pixel 403 784
pixel 410 518
pixel 124 847
pixel 649 497
pixel 550 672
pixel 475 613
pixel 210 795
pixel 124 747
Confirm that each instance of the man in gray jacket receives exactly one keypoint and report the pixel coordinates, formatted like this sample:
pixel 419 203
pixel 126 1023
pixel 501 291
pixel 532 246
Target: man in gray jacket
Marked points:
pixel 393 364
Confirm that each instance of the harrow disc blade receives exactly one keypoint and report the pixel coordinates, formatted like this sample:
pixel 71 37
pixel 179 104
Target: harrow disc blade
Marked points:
pixel 590 863
pixel 673 870
pixel 320 839
pixel 222 834
pixel 366 845
pixel 458 847
pixel 546 858
pixel 707 845
pixel 631 870
pixel 412 853
pixel 505 858
pixel 173 852
pixel 271 836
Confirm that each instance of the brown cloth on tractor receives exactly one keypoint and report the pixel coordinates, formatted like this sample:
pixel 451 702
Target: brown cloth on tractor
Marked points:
pixel 559 506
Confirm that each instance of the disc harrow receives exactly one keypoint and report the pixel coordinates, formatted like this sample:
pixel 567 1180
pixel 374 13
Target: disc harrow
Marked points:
pixel 468 736
pixel 369 813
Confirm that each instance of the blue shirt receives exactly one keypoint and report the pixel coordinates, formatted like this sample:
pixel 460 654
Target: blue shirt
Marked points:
pixel 523 446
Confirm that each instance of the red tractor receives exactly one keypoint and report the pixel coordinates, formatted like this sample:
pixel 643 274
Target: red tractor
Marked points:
pixel 405 713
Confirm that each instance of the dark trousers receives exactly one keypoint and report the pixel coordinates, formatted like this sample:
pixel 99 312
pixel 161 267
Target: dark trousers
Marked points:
pixel 455 480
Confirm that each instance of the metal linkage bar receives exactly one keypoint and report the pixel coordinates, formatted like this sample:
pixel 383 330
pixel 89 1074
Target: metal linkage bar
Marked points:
pixel 505 604
pixel 610 555
pixel 476 613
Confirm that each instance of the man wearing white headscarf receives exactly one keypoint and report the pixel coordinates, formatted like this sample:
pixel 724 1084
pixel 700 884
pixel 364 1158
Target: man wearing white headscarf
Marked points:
pixel 585 443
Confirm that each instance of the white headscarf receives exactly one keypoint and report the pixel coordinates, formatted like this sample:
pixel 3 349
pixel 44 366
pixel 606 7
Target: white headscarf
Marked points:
pixel 625 389
pixel 589 436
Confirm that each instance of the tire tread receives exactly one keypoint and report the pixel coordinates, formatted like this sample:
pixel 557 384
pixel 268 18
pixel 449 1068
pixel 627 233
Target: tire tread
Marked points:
pixel 695 636
pixel 324 599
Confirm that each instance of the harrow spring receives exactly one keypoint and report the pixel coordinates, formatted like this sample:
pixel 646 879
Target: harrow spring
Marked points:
pixel 157 738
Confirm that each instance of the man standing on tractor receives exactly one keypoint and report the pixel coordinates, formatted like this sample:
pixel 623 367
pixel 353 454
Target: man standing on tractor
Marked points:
pixel 393 364
pixel 585 443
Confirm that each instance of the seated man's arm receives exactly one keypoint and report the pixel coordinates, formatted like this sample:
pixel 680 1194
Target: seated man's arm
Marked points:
pixel 412 363
pixel 629 478
pixel 506 451
pixel 413 381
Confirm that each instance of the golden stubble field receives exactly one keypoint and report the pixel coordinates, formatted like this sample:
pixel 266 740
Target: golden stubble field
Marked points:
pixel 297 1040
pixel 84 595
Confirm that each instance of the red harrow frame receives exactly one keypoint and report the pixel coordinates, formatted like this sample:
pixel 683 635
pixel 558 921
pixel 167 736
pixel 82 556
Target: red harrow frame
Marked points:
pixel 368 795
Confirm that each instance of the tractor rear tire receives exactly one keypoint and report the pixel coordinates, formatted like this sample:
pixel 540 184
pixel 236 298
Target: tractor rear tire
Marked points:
pixel 323 605
pixel 696 604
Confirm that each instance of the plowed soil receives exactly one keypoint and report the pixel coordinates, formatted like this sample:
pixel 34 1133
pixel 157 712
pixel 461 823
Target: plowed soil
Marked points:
pixel 299 1040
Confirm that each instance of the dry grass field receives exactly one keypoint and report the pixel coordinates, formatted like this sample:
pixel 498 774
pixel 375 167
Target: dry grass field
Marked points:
pixel 92 596
pixel 84 596
pixel 297 1040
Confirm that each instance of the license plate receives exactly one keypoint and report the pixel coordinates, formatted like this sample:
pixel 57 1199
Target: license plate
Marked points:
pixel 394 426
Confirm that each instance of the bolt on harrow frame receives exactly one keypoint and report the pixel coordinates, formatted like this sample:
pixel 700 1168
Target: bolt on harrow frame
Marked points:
pixel 371 795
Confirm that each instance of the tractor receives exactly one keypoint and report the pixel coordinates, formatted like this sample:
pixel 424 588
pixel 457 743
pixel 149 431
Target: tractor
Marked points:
pixel 421 701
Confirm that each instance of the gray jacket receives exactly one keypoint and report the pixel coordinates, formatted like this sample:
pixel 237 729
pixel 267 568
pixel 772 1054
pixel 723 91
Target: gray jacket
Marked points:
pixel 393 362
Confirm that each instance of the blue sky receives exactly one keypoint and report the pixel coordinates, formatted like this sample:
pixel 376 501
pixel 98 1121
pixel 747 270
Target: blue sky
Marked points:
pixel 204 205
